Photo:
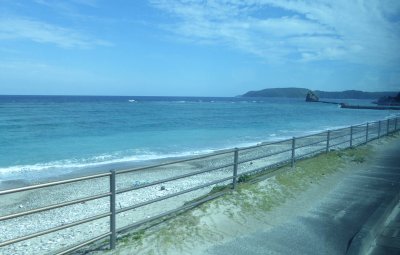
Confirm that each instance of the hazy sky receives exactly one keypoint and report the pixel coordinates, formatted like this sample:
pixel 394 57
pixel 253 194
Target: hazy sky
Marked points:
pixel 197 48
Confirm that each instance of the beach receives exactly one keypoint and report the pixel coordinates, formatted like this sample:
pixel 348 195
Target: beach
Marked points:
pixel 88 140
pixel 47 138
pixel 167 127
pixel 316 213
pixel 221 163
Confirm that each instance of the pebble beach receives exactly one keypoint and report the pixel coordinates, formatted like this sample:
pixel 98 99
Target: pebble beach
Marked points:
pixel 32 199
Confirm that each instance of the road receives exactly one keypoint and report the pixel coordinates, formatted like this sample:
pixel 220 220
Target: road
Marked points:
pixel 331 225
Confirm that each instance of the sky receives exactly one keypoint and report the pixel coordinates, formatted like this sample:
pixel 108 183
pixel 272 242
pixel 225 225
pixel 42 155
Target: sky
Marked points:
pixel 197 48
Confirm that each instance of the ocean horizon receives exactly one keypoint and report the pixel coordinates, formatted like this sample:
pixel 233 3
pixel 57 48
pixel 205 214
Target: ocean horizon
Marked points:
pixel 44 137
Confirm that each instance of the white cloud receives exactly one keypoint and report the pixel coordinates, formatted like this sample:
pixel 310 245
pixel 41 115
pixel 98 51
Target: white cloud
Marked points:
pixel 41 32
pixel 365 32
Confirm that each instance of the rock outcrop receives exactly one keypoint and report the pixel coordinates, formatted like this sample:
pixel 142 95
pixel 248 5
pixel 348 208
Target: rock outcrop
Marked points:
pixel 388 100
pixel 311 97
pixel 302 92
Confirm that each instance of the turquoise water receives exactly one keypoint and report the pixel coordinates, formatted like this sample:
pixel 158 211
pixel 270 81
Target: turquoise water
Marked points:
pixel 44 136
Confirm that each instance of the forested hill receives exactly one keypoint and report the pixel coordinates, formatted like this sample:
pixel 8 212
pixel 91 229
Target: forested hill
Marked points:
pixel 302 92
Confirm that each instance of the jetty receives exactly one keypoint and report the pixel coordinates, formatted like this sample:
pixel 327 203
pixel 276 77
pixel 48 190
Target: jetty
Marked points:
pixel 313 98
pixel 368 107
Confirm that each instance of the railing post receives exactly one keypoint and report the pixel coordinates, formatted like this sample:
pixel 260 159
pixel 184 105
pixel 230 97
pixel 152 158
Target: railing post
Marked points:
pixel 328 137
pixel 387 126
pixel 235 167
pixel 351 136
pixel 379 129
pixel 293 151
pixel 113 237
pixel 366 133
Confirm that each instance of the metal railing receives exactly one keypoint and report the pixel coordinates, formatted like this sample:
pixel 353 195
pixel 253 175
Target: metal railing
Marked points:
pixel 203 172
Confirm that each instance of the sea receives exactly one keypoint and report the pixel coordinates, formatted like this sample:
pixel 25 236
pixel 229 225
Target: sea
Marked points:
pixel 47 137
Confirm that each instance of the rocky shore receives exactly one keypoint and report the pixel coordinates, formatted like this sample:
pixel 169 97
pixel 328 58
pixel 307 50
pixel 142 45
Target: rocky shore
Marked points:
pixel 23 201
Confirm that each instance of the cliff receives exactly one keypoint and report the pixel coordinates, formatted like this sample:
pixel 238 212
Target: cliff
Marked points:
pixel 278 92
pixel 388 100
pixel 302 93
pixel 311 97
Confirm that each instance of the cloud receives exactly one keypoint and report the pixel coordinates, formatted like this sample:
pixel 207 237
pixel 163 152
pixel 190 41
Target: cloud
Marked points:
pixel 364 32
pixel 41 32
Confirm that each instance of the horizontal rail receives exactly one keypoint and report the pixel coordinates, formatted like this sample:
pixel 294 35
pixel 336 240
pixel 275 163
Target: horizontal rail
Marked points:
pixel 49 184
pixel 311 135
pixel 371 138
pixel 264 156
pixel 374 123
pixel 51 230
pixel 172 195
pixel 309 153
pixel 175 162
pixel 357 132
pixel 341 129
pixel 359 143
pixel 172 178
pixel 359 137
pixel 279 163
pixel 374 136
pixel 337 144
pixel 375 130
pixel 311 144
pixel 74 248
pixel 252 171
pixel 264 144
pixel 164 214
pixel 339 136
pixel 360 125
pixel 50 207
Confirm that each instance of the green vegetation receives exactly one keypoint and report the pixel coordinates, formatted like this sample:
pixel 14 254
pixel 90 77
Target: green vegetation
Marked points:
pixel 256 199
pixel 136 237
pixel 279 92
pixel 359 155
pixel 244 178
pixel 248 199
pixel 302 92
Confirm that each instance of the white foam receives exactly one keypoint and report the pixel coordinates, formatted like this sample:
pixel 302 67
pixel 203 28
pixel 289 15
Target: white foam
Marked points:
pixel 96 161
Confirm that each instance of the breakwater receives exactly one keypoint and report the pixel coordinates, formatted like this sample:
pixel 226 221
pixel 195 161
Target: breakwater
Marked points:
pixel 367 107
pixel 91 208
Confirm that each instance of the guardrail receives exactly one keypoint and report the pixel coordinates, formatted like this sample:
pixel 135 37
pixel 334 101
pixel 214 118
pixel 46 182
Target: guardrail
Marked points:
pixel 198 174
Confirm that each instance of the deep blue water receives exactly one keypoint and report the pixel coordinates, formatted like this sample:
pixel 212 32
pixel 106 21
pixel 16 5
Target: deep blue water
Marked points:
pixel 42 136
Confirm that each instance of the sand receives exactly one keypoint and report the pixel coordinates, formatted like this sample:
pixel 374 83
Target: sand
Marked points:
pixel 52 195
pixel 224 219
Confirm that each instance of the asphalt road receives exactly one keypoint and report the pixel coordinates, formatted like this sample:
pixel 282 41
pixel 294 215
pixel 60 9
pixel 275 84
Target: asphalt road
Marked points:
pixel 329 227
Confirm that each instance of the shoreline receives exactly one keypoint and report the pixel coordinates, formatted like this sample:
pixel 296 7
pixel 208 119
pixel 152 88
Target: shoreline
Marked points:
pixel 67 192
pixel 261 206
pixel 106 167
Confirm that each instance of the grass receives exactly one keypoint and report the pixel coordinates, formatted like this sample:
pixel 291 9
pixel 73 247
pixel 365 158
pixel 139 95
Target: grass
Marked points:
pixel 255 199
pixel 244 178
pixel 248 199
pixel 136 237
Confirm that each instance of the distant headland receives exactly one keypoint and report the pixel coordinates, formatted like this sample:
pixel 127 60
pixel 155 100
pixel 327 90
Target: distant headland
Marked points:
pixel 302 93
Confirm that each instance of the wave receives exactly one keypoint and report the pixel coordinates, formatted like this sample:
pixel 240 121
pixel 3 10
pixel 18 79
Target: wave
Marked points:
pixel 70 165
pixel 123 158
